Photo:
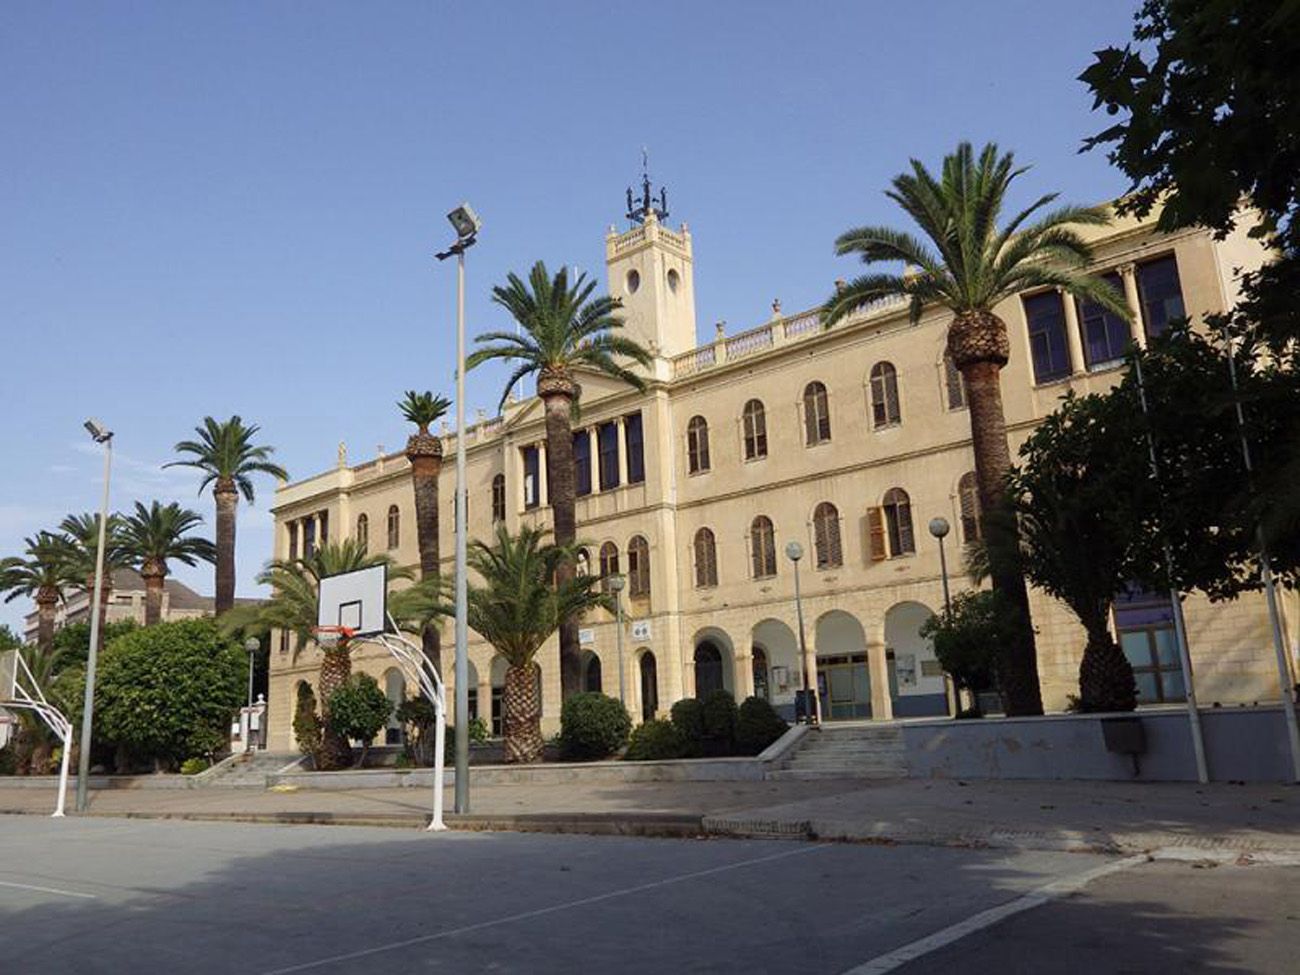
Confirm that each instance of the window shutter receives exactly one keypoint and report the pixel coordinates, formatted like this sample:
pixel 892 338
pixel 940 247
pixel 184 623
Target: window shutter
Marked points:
pixel 876 546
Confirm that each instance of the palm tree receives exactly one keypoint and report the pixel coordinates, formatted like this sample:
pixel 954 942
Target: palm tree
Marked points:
pixel 520 603
pixel 226 455
pixel 563 329
pixel 293 607
pixel 152 536
pixel 42 574
pixel 967 264
pixel 80 534
pixel 424 451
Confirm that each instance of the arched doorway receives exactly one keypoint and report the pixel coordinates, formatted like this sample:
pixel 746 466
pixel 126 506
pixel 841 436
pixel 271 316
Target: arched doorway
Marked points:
pixel 708 669
pixel 758 662
pixel 473 690
pixel 395 691
pixel 776 650
pixel 591 677
pixel 649 673
pixel 843 674
pixel 916 682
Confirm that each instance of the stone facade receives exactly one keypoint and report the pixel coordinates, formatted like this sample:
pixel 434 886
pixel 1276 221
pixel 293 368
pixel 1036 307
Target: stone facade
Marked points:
pixel 865 417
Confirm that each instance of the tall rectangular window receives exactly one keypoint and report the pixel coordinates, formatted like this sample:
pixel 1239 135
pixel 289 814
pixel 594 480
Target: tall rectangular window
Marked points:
pixel 293 540
pixel 607 444
pixel 532 477
pixel 1161 294
pixel 582 463
pixel 634 444
pixel 324 519
pixel 1145 623
pixel 308 537
pixel 1046 316
pixel 1105 334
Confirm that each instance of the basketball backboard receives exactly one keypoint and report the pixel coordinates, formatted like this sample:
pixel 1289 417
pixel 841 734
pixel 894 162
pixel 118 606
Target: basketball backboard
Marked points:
pixel 357 600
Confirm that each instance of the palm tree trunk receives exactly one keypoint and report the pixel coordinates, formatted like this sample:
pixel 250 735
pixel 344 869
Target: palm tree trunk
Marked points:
pixel 1018 659
pixel 335 669
pixel 424 477
pixel 521 705
pixel 227 497
pixel 560 485
pixel 153 595
pixel 1105 676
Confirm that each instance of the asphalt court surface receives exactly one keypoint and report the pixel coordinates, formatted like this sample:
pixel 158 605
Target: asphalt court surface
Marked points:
pixel 108 896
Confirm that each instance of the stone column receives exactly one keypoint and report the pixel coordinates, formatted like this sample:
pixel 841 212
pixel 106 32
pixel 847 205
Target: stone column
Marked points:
pixel 1128 274
pixel 593 459
pixel 743 664
pixel 882 708
pixel 1073 338
pixel 543 488
pixel 622 451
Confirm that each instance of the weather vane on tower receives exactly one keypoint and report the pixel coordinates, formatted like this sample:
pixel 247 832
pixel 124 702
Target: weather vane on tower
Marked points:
pixel 638 210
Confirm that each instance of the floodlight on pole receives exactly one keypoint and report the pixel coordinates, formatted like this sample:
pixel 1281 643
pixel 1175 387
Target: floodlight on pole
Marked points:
pixel 813 713
pixel 466 224
pixel 102 435
pixel 616 584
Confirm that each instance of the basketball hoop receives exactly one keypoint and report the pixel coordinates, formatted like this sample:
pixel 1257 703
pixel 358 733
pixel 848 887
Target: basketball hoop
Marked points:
pixel 329 637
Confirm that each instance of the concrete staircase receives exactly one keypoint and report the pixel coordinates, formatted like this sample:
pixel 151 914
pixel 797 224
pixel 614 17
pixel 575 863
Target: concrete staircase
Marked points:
pixel 246 771
pixel 858 751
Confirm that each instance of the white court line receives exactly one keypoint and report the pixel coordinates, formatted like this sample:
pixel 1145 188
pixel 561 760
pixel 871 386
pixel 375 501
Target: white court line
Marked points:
pixel 47 890
pixel 539 912
pixel 994 915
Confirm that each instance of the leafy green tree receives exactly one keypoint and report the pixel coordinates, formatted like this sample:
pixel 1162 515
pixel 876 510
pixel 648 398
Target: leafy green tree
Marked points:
pixel 307 729
pixel 155 535
pixel 167 692
pixel 424 452
pixel 966 638
pixel 521 600
pixel 563 329
pixel 73 639
pixel 967 263
pixel 227 456
pixel 40 574
pixel 360 709
pixel 8 638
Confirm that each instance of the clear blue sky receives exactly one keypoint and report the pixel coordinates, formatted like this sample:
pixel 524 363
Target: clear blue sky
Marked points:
pixel 232 208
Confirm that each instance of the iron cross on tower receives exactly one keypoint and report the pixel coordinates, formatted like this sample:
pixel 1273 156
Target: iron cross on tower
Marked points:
pixel 638 210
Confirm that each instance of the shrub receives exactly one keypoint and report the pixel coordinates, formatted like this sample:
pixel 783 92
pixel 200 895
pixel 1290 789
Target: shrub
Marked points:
pixel 592 726
pixel 757 725
pixel 655 741
pixel 193 766
pixel 308 731
pixel 688 719
pixel 718 713
pixel 8 761
pixel 967 638
pixel 360 709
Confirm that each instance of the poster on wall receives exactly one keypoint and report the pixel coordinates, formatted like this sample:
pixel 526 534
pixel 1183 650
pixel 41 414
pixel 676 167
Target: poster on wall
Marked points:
pixel 905 669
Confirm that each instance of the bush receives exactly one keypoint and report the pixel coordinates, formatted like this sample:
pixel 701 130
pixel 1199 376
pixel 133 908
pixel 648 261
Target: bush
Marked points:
pixel 967 638
pixel 718 713
pixel 592 726
pixel 8 761
pixel 360 709
pixel 308 731
pixel 167 692
pixel 688 719
pixel 655 741
pixel 757 725
pixel 193 766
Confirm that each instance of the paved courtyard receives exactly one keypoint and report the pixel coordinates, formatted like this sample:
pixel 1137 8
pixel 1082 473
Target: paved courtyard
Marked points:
pixel 145 896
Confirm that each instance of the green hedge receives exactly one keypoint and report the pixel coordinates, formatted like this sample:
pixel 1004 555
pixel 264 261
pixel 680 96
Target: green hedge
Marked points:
pixel 655 741
pixel 592 726
pixel 688 719
pixel 757 726
pixel 719 716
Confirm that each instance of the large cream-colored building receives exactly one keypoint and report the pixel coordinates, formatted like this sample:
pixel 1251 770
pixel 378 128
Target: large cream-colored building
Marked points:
pixel 848 441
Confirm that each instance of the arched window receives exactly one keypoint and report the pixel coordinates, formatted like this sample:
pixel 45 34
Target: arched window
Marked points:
pixel 706 559
pixel 395 691
pixel 969 499
pixel 761 687
pixel 816 414
pixel 884 395
pixel 638 566
pixel 762 545
pixel 649 686
pixel 608 564
pixel 826 536
pixel 697 445
pixel 898 522
pixel 394 527
pixel 363 532
pixel 499 498
pixel 754 421
pixel 954 384
pixel 591 682
pixel 582 562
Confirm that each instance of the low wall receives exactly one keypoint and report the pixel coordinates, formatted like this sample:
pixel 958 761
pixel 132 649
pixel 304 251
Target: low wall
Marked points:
pixel 1241 744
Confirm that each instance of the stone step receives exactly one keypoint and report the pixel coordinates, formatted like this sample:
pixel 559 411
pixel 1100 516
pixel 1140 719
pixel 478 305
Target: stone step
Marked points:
pixel 809 774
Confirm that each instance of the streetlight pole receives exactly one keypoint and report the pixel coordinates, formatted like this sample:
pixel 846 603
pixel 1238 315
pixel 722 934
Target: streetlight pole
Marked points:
pixel 939 528
pixel 100 434
pixel 794 552
pixel 616 584
pixel 466 224
pixel 252 645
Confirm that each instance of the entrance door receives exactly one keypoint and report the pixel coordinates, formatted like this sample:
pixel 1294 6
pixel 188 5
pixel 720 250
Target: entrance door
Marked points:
pixel 844 683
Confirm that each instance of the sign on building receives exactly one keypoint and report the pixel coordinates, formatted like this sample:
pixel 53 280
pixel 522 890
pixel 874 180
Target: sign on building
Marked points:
pixel 586 636
pixel 640 629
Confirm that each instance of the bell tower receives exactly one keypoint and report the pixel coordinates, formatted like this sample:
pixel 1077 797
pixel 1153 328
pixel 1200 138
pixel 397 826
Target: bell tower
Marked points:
pixel 651 270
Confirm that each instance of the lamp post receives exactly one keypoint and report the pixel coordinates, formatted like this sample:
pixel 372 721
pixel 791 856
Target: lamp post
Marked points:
pixel 616 584
pixel 100 434
pixel 794 552
pixel 939 528
pixel 252 645
pixel 466 224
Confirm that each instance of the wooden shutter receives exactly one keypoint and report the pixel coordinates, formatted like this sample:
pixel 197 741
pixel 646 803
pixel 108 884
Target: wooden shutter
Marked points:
pixel 876 546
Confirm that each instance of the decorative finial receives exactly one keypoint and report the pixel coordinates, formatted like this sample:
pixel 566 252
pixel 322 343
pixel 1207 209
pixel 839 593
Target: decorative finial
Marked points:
pixel 776 307
pixel 343 455
pixel 638 210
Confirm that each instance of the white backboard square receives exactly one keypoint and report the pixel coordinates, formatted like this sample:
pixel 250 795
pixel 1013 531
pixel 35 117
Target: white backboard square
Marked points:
pixel 357 600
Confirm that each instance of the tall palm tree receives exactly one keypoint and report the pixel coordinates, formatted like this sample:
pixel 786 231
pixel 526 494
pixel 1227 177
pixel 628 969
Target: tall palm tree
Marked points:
pixel 80 534
pixel 424 451
pixel 563 329
pixel 41 573
pixel 968 264
pixel 293 607
pixel 226 455
pixel 519 604
pixel 153 536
